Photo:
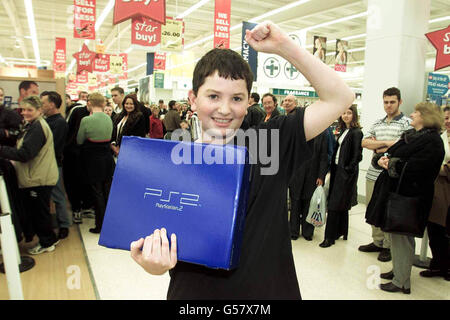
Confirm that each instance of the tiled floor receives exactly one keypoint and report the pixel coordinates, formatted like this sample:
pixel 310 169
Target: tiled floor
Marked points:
pixel 338 272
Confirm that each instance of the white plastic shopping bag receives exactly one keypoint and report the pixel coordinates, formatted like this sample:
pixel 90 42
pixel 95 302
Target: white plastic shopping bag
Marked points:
pixel 317 208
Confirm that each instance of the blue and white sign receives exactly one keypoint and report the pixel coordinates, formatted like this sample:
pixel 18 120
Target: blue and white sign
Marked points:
pixel 437 84
pixel 248 53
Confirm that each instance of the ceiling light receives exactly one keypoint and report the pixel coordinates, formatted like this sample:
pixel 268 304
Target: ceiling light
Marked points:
pixel 192 9
pixel 104 14
pixel 265 15
pixel 329 23
pixel 439 19
pixel 32 27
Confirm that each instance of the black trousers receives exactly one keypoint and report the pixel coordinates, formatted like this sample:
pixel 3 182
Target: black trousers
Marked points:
pixel 299 212
pixel 440 247
pixel 336 224
pixel 36 201
pixel 100 194
pixel 77 192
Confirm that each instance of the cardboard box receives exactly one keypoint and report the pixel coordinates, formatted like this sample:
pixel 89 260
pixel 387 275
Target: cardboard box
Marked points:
pixel 197 191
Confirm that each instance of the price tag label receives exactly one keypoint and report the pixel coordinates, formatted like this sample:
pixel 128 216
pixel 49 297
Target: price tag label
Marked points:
pixel 172 35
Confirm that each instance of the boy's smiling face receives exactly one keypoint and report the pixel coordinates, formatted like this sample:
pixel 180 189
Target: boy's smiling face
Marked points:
pixel 221 105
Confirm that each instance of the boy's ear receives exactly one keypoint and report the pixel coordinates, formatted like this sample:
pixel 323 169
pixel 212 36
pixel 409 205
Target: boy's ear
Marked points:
pixel 192 99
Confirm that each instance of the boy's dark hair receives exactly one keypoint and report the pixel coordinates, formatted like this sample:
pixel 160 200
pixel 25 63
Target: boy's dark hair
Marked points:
pixel 274 99
pixel 172 104
pixel 26 85
pixel 392 92
pixel 255 97
pixel 118 89
pixel 54 97
pixel 446 108
pixel 229 65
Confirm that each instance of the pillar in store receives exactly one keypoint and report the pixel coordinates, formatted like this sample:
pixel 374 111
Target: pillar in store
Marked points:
pixel 394 57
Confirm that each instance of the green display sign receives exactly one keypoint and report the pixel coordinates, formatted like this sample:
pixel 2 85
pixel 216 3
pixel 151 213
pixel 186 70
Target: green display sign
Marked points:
pixel 296 93
pixel 159 80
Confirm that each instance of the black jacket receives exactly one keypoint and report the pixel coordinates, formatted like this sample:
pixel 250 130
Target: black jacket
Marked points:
pixel 9 121
pixel 59 129
pixel 255 115
pixel 423 151
pixel 303 182
pixel 274 114
pixel 344 176
pixel 135 126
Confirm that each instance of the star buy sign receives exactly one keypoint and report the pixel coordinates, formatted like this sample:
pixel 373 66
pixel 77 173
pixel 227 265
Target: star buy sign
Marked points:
pixel 440 39
pixel 152 9
pixel 85 59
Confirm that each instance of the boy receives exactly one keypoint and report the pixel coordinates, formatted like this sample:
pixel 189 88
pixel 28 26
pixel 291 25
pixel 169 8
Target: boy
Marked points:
pixel 221 87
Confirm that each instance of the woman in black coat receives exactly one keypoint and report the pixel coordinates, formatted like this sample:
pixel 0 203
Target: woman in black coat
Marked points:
pixel 422 150
pixel 130 122
pixel 344 176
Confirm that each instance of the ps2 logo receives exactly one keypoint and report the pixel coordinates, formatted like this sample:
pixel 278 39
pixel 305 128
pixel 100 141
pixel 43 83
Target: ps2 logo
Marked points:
pixel 187 199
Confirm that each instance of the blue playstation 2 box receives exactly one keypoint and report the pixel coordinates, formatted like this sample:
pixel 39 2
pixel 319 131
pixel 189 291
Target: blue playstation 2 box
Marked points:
pixel 197 191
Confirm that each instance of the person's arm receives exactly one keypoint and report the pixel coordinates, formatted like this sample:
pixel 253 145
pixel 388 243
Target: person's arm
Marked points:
pixel 335 97
pixel 81 136
pixel 33 142
pixel 356 157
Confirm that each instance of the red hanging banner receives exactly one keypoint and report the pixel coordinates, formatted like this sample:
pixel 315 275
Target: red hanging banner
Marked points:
pixel 222 24
pixel 101 63
pixel 84 19
pixel 152 9
pixel 59 59
pixel 159 61
pixel 145 32
pixel 85 59
pixel 440 39
pixel 82 77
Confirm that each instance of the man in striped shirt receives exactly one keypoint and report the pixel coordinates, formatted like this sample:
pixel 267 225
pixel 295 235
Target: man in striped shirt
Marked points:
pixel 382 135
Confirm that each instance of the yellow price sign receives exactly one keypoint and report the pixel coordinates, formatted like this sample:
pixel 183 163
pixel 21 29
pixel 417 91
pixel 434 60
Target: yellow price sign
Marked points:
pixel 172 35
pixel 116 65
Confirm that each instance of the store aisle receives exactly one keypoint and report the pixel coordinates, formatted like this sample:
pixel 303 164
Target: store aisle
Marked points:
pixel 338 272
pixel 59 275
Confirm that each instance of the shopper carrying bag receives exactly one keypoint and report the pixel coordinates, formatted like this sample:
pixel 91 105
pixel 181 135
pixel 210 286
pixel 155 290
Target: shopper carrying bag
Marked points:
pixel 317 208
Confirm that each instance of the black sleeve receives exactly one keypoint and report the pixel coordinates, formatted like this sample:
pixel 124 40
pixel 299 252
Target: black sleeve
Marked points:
pixel 139 129
pixel 33 142
pixel 59 130
pixel 12 121
pixel 323 155
pixel 356 148
pixel 293 149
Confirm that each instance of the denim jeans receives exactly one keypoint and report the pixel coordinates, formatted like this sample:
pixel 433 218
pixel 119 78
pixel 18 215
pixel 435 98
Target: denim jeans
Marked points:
pixel 59 198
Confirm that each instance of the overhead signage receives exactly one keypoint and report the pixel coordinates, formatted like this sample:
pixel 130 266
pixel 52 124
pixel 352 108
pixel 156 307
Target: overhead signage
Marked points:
pixel 440 39
pixel 296 93
pixel 172 35
pixel 438 84
pixel 59 58
pixel 160 61
pixel 151 9
pixel 247 52
pixel 222 22
pixel 145 32
pixel 85 59
pixel 84 19
pixel 340 57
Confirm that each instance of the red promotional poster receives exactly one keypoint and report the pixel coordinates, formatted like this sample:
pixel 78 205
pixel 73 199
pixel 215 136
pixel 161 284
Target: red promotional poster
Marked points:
pixel 82 77
pixel 145 32
pixel 222 24
pixel 111 79
pixel 440 39
pixel 101 63
pixel 152 9
pixel 59 59
pixel 85 59
pixel 84 19
pixel 159 61
pixel 124 75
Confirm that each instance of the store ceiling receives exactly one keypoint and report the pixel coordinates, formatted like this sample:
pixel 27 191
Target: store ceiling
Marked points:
pixel 54 19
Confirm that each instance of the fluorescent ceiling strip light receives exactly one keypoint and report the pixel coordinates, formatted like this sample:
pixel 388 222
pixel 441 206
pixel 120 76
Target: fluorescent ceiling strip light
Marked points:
pixel 192 9
pixel 329 23
pixel 104 14
pixel 439 19
pixel 256 19
pixel 129 50
pixel 279 10
pixel 138 67
pixel 32 27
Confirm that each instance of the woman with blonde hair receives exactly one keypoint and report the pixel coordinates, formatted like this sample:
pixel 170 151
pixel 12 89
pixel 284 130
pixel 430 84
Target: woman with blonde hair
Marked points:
pixel 418 156
pixel 37 172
